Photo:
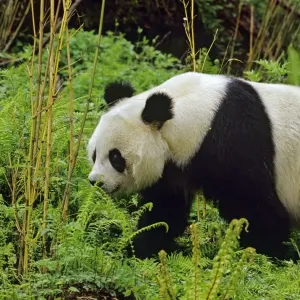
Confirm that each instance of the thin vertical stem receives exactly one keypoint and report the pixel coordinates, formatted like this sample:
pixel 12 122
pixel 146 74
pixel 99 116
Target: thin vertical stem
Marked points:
pixel 71 139
pixel 235 36
pixel 198 208
pixel 72 166
pixel 250 56
pixel 31 192
pixel 49 135
pixel 193 36
pixel 28 185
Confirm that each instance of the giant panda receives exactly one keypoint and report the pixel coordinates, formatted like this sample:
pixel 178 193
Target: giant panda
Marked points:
pixel 237 141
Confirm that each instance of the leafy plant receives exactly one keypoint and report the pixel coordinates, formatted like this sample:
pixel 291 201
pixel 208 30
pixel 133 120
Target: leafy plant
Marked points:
pixel 77 248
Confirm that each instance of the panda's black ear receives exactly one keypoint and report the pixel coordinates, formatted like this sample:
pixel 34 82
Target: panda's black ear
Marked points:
pixel 116 91
pixel 158 109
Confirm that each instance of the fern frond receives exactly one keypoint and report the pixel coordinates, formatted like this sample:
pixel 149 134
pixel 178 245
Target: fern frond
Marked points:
pixel 166 289
pixel 126 240
pixel 225 255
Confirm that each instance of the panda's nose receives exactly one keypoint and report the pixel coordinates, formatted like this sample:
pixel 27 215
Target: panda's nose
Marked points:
pixel 92 182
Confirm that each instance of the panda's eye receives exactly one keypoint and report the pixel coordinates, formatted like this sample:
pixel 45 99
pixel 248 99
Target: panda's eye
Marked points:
pixel 94 156
pixel 116 160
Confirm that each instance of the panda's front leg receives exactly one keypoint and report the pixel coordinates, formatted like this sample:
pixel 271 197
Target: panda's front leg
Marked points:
pixel 171 204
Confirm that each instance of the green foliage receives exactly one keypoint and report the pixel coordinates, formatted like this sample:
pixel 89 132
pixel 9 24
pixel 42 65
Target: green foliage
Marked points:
pixel 268 71
pixel 224 258
pixel 210 12
pixel 141 64
pixel 166 288
pixel 293 66
pixel 7 251
pixel 284 70
pixel 205 65
pixel 87 252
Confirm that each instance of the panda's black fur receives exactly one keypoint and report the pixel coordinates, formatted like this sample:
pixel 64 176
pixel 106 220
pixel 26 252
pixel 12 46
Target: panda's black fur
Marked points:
pixel 234 166
pixel 243 185
pixel 116 91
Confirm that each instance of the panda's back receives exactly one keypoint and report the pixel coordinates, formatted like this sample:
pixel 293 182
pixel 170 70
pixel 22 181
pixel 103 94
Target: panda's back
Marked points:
pixel 199 97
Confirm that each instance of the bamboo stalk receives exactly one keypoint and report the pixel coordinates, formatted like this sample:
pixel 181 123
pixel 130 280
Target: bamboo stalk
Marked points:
pixel 13 36
pixel 38 106
pixel 209 49
pixel 53 70
pixel 48 60
pixel 76 151
pixel 189 31
pixel 28 179
pixel 262 33
pixel 275 34
pixel 7 19
pixel 31 191
pixel 234 36
pixel 193 52
pixel 287 26
pixel 251 34
pixel 279 26
pixel 41 129
pixel 49 136
pixel 71 138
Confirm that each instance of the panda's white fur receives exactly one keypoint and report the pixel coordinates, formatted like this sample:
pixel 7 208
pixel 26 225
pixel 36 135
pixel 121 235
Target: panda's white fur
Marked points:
pixel 178 140
pixel 282 103
pixel 196 99
pixel 113 128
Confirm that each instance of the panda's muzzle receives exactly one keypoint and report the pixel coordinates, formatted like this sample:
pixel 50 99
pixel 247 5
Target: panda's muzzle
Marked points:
pixel 99 183
pixel 116 189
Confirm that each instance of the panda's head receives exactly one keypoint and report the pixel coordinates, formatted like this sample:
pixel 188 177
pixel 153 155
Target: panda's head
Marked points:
pixel 127 149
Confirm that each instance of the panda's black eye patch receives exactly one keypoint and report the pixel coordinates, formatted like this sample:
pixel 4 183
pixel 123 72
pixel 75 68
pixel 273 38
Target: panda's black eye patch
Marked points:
pixel 116 160
pixel 94 156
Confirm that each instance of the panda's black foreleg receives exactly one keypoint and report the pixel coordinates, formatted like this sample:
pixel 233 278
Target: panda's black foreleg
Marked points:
pixel 171 205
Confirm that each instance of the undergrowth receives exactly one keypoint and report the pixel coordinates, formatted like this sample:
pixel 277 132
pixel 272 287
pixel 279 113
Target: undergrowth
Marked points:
pixel 85 251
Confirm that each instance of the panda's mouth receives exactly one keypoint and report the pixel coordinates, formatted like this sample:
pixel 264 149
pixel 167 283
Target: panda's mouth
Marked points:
pixel 108 190
pixel 116 189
